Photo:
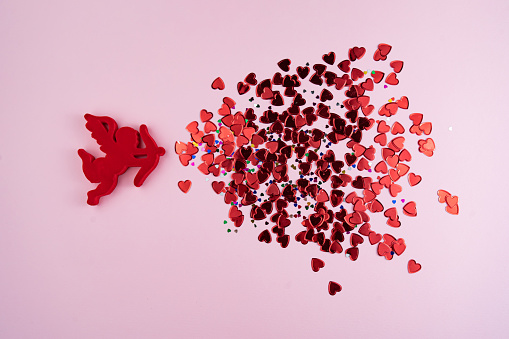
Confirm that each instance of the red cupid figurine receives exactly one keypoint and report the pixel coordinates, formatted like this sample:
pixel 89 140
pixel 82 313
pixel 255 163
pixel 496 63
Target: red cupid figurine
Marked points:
pixel 122 151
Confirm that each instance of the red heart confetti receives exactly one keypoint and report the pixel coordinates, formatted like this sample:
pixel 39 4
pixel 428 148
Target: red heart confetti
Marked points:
pixel 410 209
pixel 442 195
pixel 316 264
pixel 218 186
pixel 399 246
pixel 218 84
pixel 391 79
pixel 184 186
pixel 334 288
pixel 299 155
pixel 413 266
pixel 414 179
pixel 451 201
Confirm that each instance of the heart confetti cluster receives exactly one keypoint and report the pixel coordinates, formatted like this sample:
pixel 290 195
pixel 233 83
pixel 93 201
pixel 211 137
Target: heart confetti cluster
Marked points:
pixel 284 165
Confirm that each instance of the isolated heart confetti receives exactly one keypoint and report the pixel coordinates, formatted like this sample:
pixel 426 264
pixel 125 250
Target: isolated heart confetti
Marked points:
pixel 299 154
pixel 218 84
pixel 185 186
pixel 316 264
pixel 334 287
pixel 413 266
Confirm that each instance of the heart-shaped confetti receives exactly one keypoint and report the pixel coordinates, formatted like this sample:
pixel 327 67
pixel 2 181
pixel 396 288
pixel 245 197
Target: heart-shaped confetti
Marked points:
pixel 374 238
pixel 399 246
pixel 442 195
pixel 414 179
pixel 413 266
pixel 451 201
pixel 184 185
pixel 316 264
pixel 334 288
pixel 397 65
pixel 218 186
pixel 265 237
pixel 452 210
pixel 392 79
pixel 410 209
pixel 218 84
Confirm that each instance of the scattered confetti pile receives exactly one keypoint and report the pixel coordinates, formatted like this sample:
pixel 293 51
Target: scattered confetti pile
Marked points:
pixel 301 155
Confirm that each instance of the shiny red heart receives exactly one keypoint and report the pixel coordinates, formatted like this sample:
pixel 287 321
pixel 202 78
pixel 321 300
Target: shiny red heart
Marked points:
pixel 368 109
pixel 391 213
pixel 442 195
pixel 392 160
pixel 218 84
pixel 416 118
pixel 452 210
pixel 410 209
pixel 384 251
pixel 316 264
pixel 218 186
pixel 413 266
pixel 344 66
pixel 383 127
pixel 384 49
pixel 377 76
pixel 415 130
pixel 224 110
pixel 353 252
pixel 242 88
pixel 251 79
pixel 451 200
pixel 404 155
pixel 392 79
pixel 399 246
pixel 365 229
pixel 322 196
pixel 389 239
pixel 403 102
pixel 192 127
pixel 265 237
pixel 381 167
pixel 356 239
pixel 386 181
pixel 397 144
pixel 205 116
pixel 356 74
pixel 358 52
pixel 414 179
pixel 376 206
pixel 267 94
pixel 184 185
pixel 394 189
pixel 397 128
pixel 368 85
pixel 402 169
pixel 381 139
pixel 397 65
pixel 374 237
pixel 329 58
pixel 334 287
pixel 426 128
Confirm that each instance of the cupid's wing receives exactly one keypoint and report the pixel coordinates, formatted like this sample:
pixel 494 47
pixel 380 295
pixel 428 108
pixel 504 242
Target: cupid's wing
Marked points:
pixel 150 162
pixel 103 130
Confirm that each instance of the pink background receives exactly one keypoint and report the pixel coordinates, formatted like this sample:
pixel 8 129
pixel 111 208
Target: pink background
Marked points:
pixel 152 262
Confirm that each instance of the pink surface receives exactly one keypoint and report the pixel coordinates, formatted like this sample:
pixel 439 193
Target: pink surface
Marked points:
pixel 152 262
